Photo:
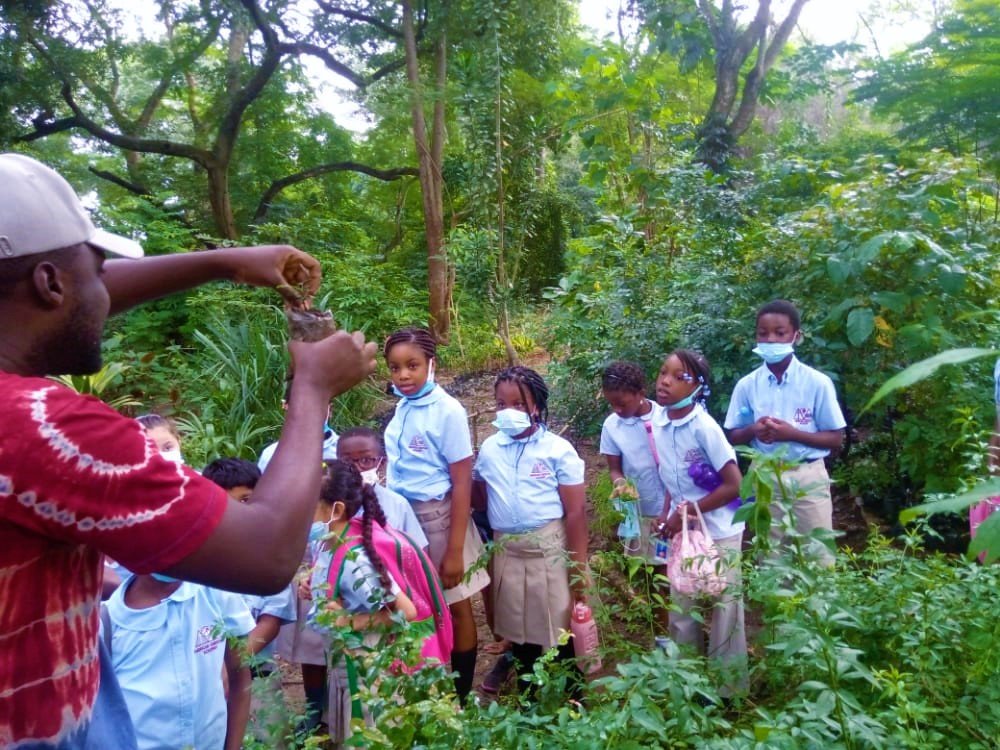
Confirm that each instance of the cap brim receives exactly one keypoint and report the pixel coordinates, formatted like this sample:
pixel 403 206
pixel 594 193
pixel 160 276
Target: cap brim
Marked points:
pixel 116 244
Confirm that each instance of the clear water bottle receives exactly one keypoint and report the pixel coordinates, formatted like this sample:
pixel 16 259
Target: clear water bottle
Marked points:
pixel 661 551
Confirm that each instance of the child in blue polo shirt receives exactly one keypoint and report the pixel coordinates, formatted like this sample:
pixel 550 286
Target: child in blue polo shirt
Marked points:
pixel 627 446
pixel 690 445
pixel 238 477
pixel 429 448
pixel 789 405
pixel 534 486
pixel 168 644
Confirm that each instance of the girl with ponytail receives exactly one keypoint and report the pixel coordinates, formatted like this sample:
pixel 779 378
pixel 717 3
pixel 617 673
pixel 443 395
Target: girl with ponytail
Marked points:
pixel 365 571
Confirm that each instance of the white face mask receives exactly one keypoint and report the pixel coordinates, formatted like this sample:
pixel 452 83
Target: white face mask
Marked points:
pixel 174 455
pixel 512 421
pixel 370 477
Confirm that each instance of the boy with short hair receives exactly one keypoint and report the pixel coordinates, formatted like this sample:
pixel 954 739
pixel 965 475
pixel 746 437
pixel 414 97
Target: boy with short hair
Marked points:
pixel 785 403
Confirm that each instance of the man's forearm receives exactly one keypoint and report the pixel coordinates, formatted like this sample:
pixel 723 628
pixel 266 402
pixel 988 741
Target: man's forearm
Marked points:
pixel 132 282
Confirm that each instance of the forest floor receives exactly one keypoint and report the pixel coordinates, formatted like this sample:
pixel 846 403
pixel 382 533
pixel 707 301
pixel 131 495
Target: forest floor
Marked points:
pixel 475 391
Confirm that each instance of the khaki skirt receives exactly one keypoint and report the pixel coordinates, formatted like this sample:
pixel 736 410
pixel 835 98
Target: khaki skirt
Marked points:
pixel 297 642
pixel 531 595
pixel 435 520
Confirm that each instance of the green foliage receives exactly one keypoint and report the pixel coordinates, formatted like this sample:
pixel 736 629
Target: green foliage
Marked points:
pixel 101 384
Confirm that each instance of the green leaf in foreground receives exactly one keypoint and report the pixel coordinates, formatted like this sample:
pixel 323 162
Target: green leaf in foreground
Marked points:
pixel 924 369
pixel 954 504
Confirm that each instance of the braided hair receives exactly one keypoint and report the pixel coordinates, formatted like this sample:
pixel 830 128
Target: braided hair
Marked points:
pixel 342 482
pixel 624 376
pixel 421 337
pixel 527 381
pixel 696 364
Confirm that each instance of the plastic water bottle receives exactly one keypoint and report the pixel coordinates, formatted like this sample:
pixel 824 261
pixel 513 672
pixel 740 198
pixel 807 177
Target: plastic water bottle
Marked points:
pixel 661 551
pixel 585 638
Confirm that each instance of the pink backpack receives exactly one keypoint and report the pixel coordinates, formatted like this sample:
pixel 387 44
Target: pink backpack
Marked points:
pixel 979 513
pixel 695 566
pixel 416 576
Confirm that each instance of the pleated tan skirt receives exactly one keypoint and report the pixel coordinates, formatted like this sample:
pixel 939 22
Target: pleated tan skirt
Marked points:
pixel 435 520
pixel 531 594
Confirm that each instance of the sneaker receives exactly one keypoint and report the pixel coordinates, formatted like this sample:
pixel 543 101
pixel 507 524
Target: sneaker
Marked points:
pixel 497 676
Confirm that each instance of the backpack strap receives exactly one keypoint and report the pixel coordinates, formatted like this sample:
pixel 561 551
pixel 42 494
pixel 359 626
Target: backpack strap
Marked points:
pixel 648 424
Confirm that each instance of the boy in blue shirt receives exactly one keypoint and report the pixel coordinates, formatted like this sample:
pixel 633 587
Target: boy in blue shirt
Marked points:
pixel 785 403
pixel 238 477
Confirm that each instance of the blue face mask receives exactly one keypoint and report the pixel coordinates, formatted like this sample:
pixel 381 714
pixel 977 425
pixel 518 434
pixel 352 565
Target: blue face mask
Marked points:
pixel 318 531
pixel 512 421
pixel 686 401
pixel 163 578
pixel 773 353
pixel 424 389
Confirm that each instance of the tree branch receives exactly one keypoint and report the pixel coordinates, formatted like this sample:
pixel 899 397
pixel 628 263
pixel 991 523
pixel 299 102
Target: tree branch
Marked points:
pixel 341 166
pixel 354 15
pixel 44 129
pixel 132 143
pixel 120 182
pixel 331 62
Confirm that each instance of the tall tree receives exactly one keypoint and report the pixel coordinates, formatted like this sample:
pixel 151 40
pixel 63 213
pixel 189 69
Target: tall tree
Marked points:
pixel 742 53
pixel 943 90
pixel 82 48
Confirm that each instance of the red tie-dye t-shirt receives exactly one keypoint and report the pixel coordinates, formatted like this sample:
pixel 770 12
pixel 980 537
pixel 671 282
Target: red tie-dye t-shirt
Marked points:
pixel 77 481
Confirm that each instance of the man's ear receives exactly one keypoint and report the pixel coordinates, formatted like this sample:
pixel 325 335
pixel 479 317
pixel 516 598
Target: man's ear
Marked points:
pixel 799 338
pixel 49 284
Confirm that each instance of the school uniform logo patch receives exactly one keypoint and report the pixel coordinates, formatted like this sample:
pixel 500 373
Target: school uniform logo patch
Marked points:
pixel 540 471
pixel 803 415
pixel 418 444
pixel 205 641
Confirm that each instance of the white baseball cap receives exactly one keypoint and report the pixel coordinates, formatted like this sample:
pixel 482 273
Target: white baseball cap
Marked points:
pixel 39 212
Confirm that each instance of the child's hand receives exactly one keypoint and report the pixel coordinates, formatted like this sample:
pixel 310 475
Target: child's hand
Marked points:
pixel 452 569
pixel 673 524
pixel 304 590
pixel 777 430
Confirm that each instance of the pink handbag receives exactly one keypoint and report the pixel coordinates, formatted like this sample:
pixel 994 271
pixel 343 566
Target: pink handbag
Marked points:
pixel 695 566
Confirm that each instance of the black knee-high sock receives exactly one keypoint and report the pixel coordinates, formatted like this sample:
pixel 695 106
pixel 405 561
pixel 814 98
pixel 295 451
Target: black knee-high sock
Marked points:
pixel 464 663
pixel 315 700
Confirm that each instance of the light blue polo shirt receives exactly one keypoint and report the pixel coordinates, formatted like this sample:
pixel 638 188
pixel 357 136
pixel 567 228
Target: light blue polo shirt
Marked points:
pixel 330 439
pixel 805 398
pixel 169 660
pixel 681 443
pixel 523 479
pixel 280 605
pixel 399 514
pixel 361 588
pixel 996 384
pixel 425 436
pixel 627 438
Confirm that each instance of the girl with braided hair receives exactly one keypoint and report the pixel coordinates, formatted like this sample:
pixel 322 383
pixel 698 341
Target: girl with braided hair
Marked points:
pixel 363 571
pixel 429 451
pixel 534 487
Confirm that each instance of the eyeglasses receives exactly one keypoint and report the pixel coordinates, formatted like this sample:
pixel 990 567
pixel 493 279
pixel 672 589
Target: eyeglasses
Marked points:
pixel 365 463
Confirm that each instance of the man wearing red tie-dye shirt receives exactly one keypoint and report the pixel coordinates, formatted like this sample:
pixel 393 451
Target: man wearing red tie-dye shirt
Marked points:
pixel 78 481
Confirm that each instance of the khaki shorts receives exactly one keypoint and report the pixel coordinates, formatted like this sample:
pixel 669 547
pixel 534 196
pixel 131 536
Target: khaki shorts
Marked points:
pixel 812 509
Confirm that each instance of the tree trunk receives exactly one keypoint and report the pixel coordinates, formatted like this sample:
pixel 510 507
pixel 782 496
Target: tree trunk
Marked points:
pixel 218 197
pixel 429 156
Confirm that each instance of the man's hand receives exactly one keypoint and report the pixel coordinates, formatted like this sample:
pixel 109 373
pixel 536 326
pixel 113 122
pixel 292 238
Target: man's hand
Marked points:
pixel 291 272
pixel 336 364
